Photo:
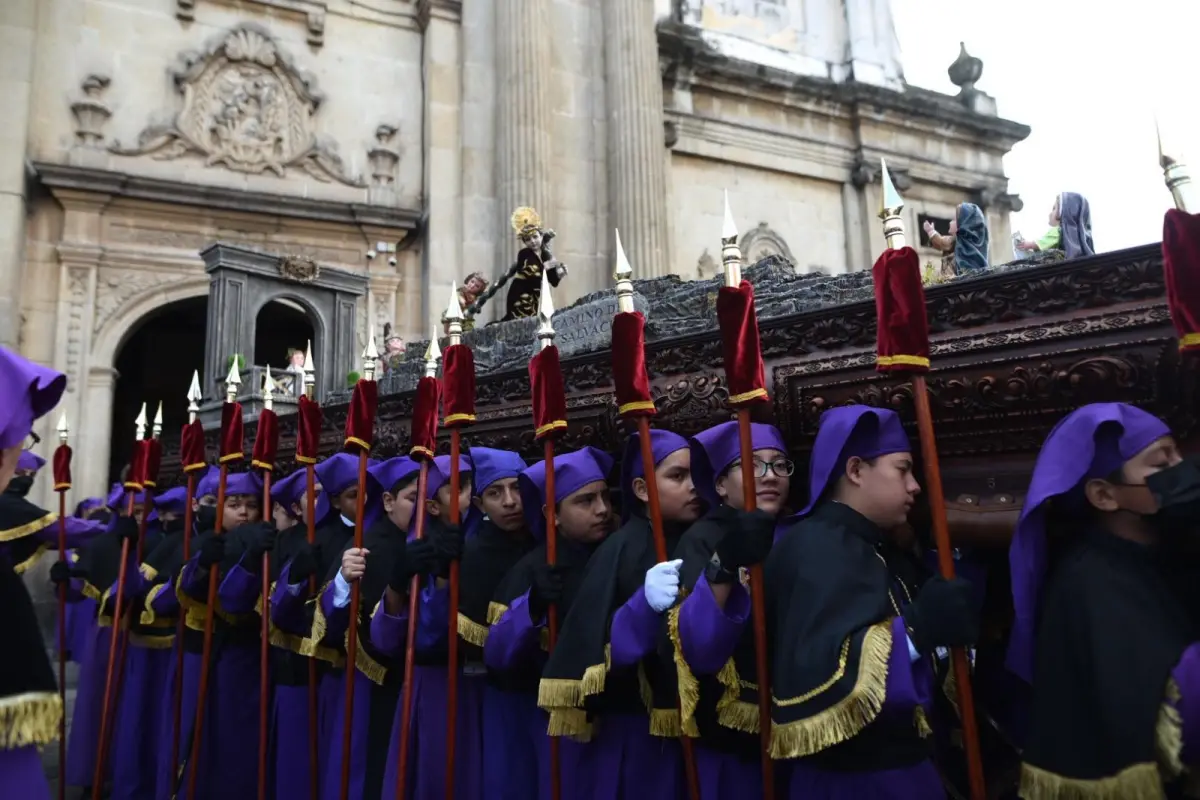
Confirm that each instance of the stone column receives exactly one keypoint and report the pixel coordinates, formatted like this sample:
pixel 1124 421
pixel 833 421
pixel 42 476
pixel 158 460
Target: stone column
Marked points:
pixel 17 30
pixel 637 184
pixel 525 116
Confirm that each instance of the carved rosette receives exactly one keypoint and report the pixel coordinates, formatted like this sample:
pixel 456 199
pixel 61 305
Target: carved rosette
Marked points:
pixel 246 107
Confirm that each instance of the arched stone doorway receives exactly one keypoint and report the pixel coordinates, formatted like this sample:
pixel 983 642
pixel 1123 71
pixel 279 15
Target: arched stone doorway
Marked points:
pixel 155 363
pixel 282 325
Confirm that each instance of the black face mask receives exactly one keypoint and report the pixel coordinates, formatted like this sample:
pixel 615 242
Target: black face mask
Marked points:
pixel 206 518
pixel 1177 491
pixel 20 485
pixel 170 526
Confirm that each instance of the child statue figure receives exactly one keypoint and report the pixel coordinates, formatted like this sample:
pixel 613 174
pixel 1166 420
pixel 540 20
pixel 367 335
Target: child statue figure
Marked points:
pixel 534 256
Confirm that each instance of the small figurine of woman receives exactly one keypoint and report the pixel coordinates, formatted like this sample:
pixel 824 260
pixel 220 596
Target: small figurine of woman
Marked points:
pixel 1070 228
pixel 474 285
pixel 965 248
pixel 534 256
pixel 393 348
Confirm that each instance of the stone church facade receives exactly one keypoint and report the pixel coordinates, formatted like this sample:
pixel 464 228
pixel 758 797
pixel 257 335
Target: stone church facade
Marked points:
pixel 140 132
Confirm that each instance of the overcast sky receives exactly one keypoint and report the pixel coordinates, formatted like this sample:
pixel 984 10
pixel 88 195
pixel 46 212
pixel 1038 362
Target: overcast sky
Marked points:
pixel 1087 77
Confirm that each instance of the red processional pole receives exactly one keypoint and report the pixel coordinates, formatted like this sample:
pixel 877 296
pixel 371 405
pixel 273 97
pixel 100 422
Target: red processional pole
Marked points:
pixel 903 346
pixel 232 433
pixel 746 382
pixel 62 484
pixel 422 445
pixel 308 440
pixel 360 431
pixel 266 445
pixel 632 389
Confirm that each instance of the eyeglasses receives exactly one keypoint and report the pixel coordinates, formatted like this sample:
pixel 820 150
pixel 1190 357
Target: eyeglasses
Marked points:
pixel 34 439
pixel 782 467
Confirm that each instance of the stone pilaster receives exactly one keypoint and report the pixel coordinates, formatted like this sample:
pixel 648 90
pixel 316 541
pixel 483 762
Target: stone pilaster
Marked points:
pixel 525 115
pixel 17 31
pixel 637 184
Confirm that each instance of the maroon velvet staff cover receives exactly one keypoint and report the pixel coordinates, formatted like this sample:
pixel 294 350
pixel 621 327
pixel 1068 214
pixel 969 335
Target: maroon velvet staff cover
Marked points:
pixel 266 441
pixel 135 480
pixel 631 382
pixel 153 462
pixel 360 422
pixel 232 433
pixel 308 431
pixel 1181 273
pixel 740 345
pixel 458 384
pixel 191 447
pixel 549 399
pixel 902 326
pixel 62 468
pixel 423 441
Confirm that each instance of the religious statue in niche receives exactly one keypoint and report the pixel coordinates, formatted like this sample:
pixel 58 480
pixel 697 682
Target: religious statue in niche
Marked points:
pixel 393 348
pixel 247 108
pixel 526 272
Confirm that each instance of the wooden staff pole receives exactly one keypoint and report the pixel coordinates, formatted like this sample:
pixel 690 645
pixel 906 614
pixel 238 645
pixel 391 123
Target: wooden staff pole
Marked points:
pixel 63 432
pixel 264 633
pixel 310 521
pixel 893 231
pixel 193 396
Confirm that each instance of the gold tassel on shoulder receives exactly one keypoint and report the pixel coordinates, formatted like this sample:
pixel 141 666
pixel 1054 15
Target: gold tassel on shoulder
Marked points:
pixel 1139 782
pixel 847 717
pixel 29 719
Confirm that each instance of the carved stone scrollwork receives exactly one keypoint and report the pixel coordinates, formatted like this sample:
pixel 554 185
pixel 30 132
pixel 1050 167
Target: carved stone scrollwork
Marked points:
pixel 299 269
pixel 761 242
pixel 246 107
pixel 383 156
pixel 91 113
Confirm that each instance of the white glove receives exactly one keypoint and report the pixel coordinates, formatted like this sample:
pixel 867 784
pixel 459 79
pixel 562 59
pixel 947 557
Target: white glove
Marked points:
pixel 662 585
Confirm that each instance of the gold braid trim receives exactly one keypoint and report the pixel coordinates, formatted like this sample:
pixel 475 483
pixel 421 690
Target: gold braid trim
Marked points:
pixel 566 693
pixel 277 636
pixel 29 562
pixel 495 611
pixel 847 717
pixel 311 645
pixel 689 686
pixel 29 528
pixel 732 711
pixel 29 718
pixel 1168 734
pixel 149 617
pixel 104 620
pixel 91 592
pixel 471 631
pixel 1139 782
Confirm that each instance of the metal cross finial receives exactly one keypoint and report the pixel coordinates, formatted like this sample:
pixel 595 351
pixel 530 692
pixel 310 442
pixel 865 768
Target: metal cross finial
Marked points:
pixel 891 210
pixel 623 273
pixel 453 316
pixel 194 396
pixel 731 254
pixel 433 354
pixel 545 329
pixel 156 428
pixel 370 355
pixel 232 381
pixel 63 430
pixel 139 424
pixel 268 392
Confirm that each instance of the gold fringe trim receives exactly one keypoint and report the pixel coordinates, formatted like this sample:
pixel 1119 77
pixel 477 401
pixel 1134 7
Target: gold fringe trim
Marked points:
pixel 848 716
pixel 566 693
pixel 732 711
pixel 149 617
pixel 28 528
pixel 148 572
pixel 921 723
pixel 91 592
pixel 29 562
pixel 665 722
pixel 29 718
pixel 689 685
pixel 152 642
pixel 364 663
pixel 102 619
pixel 471 631
pixel 572 722
pixel 1139 782
pixel 1168 734
pixel 495 611
pixel 286 641
pixel 311 645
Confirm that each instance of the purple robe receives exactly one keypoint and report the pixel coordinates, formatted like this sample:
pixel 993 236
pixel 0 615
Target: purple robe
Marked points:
pixel 22 775
pixel 89 697
pixel 291 769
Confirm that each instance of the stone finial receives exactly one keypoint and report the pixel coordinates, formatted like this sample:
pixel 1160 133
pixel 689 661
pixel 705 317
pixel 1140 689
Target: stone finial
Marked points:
pixel 91 112
pixel 383 157
pixel 965 71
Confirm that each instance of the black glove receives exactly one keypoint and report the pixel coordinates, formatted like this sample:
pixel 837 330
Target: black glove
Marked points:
pixel 747 541
pixel 61 572
pixel 127 529
pixel 448 543
pixel 547 588
pixel 304 563
pixel 419 557
pixel 943 615
pixel 260 540
pixel 212 551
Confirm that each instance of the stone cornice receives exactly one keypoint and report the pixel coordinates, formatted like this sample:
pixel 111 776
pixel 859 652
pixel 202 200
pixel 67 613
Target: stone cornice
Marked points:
pixel 682 50
pixel 59 177
pixel 448 10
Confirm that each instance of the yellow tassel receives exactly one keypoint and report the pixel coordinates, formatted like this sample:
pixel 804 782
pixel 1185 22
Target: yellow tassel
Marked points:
pixel 847 717
pixel 29 718
pixel 471 631
pixel 1139 782
pixel 689 686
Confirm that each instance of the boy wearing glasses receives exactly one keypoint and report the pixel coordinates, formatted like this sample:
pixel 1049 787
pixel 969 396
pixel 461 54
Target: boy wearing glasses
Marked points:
pixel 714 645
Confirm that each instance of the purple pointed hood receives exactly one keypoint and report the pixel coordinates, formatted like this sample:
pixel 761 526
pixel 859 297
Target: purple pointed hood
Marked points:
pixel 714 449
pixel 849 431
pixel 27 391
pixel 572 471
pixel 29 460
pixel 662 444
